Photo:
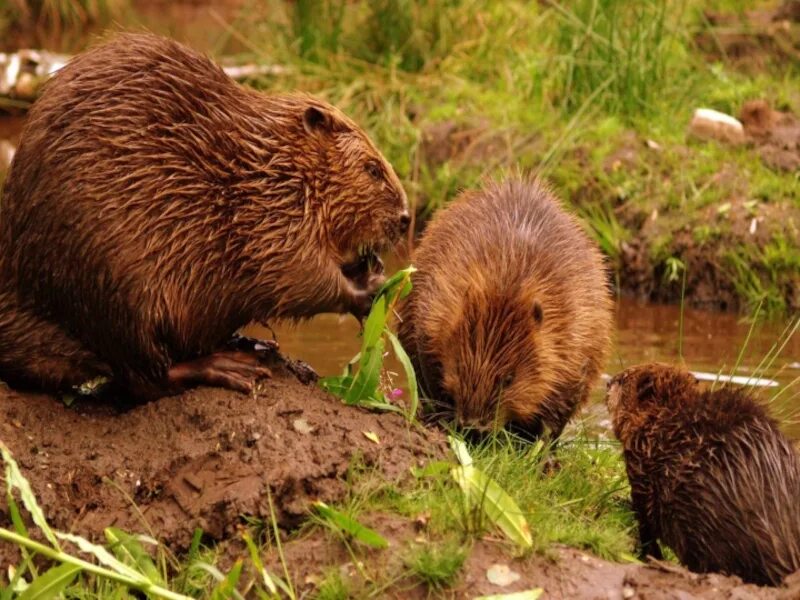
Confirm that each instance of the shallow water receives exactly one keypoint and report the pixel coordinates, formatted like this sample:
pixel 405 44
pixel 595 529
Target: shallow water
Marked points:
pixel 645 332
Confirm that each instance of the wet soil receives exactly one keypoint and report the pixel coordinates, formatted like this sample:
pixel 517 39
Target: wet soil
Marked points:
pixel 562 572
pixel 206 458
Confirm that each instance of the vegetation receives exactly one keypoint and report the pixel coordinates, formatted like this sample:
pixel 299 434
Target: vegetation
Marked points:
pixel 596 95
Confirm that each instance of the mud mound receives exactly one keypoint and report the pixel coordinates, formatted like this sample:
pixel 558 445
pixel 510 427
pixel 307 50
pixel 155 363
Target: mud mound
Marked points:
pixel 202 459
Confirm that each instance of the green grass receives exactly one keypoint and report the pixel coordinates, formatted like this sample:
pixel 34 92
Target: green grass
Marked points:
pixel 436 565
pixel 572 90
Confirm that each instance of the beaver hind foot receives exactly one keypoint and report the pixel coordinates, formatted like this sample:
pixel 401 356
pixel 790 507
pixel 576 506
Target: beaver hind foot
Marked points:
pixel 230 369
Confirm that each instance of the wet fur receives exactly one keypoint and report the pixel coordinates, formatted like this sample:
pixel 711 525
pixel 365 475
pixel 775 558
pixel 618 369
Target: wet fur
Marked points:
pixel 155 206
pixel 711 474
pixel 508 286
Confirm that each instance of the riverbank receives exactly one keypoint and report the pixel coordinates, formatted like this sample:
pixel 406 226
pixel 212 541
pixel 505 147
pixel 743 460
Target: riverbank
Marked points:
pixel 598 101
pixel 197 472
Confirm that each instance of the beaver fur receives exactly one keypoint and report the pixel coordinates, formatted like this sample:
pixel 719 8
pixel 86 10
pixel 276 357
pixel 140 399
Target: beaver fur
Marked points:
pixel 510 314
pixel 155 206
pixel 711 474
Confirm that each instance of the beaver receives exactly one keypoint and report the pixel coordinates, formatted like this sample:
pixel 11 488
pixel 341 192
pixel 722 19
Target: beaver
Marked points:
pixel 155 206
pixel 711 474
pixel 510 313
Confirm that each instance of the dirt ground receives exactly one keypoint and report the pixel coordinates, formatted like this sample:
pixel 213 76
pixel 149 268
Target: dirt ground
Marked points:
pixel 206 459
pixel 564 573
pixel 202 459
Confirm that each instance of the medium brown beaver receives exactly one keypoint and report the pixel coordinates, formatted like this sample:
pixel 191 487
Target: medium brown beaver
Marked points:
pixel 509 318
pixel 711 475
pixel 154 206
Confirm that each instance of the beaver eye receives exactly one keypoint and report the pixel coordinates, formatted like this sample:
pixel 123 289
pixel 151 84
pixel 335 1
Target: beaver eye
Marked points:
pixel 508 380
pixel 374 169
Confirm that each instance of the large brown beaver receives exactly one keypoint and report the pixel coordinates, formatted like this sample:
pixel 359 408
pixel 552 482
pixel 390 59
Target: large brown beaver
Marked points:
pixel 711 475
pixel 155 206
pixel 509 318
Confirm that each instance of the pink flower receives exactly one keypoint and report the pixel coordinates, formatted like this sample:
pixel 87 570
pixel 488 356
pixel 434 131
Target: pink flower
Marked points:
pixel 395 393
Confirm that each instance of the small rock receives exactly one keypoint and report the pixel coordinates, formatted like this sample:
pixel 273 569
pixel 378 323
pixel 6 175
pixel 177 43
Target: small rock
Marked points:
pixel 302 426
pixel 501 575
pixel 628 592
pixel 710 124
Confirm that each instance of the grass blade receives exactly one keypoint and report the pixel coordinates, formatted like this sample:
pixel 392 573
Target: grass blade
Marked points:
pixel 345 524
pixel 411 377
pixel 14 478
pixel 104 557
pixel 227 587
pixel 130 551
pixel 50 584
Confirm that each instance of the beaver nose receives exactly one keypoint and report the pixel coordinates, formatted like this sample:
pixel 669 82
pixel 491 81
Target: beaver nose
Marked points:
pixel 405 221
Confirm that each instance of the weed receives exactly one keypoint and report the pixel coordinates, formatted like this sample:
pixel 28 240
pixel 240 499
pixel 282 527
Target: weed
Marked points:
pixel 334 587
pixel 437 565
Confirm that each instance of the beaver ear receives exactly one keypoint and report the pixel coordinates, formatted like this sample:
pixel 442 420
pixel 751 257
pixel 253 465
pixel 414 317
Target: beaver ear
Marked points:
pixel 538 313
pixel 316 119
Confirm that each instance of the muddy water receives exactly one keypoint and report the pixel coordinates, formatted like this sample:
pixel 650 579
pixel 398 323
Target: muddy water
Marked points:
pixel 646 332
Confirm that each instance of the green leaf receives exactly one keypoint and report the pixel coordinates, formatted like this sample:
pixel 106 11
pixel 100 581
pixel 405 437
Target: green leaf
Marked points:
pixel 411 377
pixel 51 583
pixel 526 595
pixel 481 490
pixel 130 551
pixel 343 523
pixel 14 478
pixel 337 385
pixel 376 321
pixel 368 377
pixel 226 588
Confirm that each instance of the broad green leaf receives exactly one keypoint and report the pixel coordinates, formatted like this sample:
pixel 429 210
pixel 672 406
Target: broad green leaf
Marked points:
pixel 368 377
pixel 104 557
pixel 389 287
pixel 14 478
pixel 373 327
pixel 226 588
pixel 51 583
pixel 130 551
pixel 337 385
pixel 481 490
pixel 411 377
pixel 526 595
pixel 351 527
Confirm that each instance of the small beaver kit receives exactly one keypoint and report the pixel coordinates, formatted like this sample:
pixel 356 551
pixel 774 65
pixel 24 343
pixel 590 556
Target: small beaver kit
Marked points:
pixel 510 314
pixel 711 475
pixel 155 206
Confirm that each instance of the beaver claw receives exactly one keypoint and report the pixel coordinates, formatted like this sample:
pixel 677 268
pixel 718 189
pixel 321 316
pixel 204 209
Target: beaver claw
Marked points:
pixel 229 369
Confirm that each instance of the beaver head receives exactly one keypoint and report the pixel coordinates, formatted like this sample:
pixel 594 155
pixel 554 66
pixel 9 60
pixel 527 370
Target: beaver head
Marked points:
pixel 494 357
pixel 340 195
pixel 645 389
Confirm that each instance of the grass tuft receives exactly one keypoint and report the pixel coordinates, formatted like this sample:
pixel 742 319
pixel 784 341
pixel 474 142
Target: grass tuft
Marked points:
pixel 437 565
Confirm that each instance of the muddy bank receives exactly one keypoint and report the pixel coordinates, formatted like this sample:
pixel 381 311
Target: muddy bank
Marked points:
pixel 202 459
pixel 561 572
